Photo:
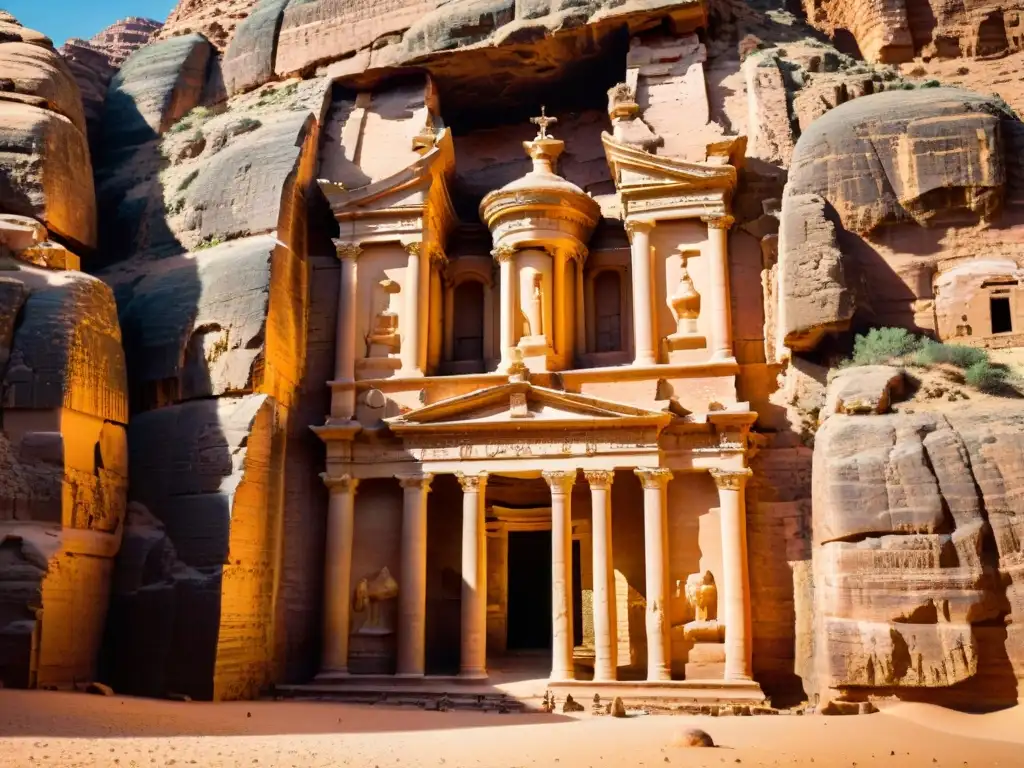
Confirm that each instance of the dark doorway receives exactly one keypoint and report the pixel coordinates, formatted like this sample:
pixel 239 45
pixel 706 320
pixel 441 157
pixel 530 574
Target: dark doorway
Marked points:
pixel 529 590
pixel 1002 321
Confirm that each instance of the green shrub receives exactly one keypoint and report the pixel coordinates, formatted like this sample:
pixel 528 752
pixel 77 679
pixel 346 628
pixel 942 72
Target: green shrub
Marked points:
pixel 986 377
pixel 935 353
pixel 193 119
pixel 883 345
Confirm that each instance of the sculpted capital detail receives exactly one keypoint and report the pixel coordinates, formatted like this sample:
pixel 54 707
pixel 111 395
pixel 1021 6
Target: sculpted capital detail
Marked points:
pixel 560 481
pixel 347 250
pixel 653 478
pixel 599 478
pixel 344 483
pixel 723 221
pixel 730 479
pixel 504 252
pixel 416 481
pixel 471 483
pixel 633 226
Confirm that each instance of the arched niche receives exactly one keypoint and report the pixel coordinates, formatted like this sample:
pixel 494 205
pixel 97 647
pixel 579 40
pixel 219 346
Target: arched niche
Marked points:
pixel 469 316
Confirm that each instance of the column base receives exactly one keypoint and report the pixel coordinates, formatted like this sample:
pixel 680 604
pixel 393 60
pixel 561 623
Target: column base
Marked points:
pixel 660 676
pixel 723 356
pixel 409 675
pixel 409 373
pixel 644 360
pixel 473 674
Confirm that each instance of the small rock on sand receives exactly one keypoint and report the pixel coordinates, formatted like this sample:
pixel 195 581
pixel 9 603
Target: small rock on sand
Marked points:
pixel 693 737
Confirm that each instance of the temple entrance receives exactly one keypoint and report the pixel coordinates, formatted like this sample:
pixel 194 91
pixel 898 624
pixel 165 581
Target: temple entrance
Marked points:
pixel 529 590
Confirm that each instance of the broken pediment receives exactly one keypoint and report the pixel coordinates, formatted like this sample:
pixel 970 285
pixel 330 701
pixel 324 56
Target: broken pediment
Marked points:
pixel 524 406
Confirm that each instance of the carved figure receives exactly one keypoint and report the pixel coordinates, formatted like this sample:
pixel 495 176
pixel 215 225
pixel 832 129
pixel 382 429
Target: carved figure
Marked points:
pixel 383 338
pixel 702 594
pixel 369 595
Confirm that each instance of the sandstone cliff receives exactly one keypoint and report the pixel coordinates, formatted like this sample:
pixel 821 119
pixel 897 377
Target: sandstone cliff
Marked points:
pixel 95 61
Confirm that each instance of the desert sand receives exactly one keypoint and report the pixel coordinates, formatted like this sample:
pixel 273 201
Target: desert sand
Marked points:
pixel 67 729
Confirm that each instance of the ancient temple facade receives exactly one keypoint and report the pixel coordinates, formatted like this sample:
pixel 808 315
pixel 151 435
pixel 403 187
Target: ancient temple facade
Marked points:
pixel 535 444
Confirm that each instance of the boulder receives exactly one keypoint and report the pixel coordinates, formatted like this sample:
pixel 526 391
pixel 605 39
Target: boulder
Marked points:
pixel 814 296
pixel 158 85
pixel 863 389
pixel 37 71
pixel 249 59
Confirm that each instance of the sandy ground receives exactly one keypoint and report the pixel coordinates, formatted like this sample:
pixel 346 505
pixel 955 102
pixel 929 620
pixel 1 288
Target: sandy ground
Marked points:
pixel 67 729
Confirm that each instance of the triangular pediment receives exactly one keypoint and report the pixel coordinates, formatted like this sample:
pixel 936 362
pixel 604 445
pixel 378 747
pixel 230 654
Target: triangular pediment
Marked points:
pixel 523 406
pixel 406 188
pixel 634 168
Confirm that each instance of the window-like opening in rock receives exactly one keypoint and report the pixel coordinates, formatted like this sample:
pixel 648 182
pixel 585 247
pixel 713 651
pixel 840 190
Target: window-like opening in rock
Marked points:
pixel 991 35
pixel 845 42
pixel 1002 320
pixel 922 22
pixel 469 320
pixel 608 311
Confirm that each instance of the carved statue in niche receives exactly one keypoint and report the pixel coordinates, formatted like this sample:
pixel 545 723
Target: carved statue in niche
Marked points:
pixel 383 339
pixel 536 317
pixel 702 594
pixel 369 594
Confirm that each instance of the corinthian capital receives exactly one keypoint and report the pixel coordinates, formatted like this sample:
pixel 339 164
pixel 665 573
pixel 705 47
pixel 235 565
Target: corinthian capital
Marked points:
pixel 346 250
pixel 472 483
pixel 634 225
pixel 730 479
pixel 559 480
pixel 344 483
pixel 653 478
pixel 718 221
pixel 421 480
pixel 599 478
pixel 504 252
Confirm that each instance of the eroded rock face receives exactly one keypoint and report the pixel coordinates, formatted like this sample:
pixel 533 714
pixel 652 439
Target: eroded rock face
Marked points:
pixel 216 20
pixel 868 178
pixel 95 61
pixel 908 591
pixel 897 30
pixel 45 167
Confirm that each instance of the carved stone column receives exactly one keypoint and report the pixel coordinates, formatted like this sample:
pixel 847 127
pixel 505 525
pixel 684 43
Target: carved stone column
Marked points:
pixel 561 483
pixel 644 316
pixel 735 592
pixel 338 573
pixel 655 483
pixel 605 635
pixel 436 336
pixel 505 255
pixel 411 322
pixel 343 401
pixel 581 312
pixel 721 320
pixel 412 587
pixel 474 577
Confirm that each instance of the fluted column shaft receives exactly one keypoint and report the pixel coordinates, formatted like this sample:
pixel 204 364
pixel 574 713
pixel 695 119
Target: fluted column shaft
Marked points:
pixel 721 320
pixel 735 596
pixel 644 316
pixel 655 482
pixel 605 635
pixel 343 401
pixel 412 587
pixel 561 574
pixel 410 351
pixel 474 577
pixel 338 572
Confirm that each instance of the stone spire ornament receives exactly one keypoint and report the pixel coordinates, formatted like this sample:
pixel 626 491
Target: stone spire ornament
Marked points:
pixel 543 121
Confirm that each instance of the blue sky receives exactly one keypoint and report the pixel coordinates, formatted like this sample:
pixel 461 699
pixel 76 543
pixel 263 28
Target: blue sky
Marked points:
pixel 61 19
